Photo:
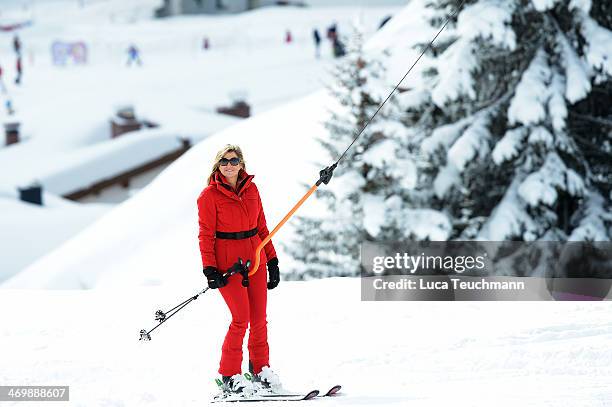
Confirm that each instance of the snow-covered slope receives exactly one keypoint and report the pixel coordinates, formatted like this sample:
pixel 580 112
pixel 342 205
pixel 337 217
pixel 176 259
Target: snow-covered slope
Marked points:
pixel 152 238
pixel 65 111
pixel 29 231
pixel 418 354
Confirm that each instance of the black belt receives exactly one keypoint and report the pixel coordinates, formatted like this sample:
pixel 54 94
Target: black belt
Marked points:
pixel 236 235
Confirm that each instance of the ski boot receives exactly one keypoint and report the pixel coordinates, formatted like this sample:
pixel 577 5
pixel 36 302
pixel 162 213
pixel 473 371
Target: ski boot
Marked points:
pixel 236 385
pixel 266 381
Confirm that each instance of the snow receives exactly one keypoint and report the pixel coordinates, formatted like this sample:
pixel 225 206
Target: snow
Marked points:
pixel 32 231
pixel 417 224
pixel 583 5
pixel 390 126
pixel 578 83
pixel 389 155
pixel 509 220
pixel 543 5
pixel 489 20
pixel 474 142
pixel 598 50
pixel 528 103
pixel 505 354
pixel 447 177
pixel 346 184
pixel 541 186
pixel 381 153
pixel 556 104
pixel 374 213
pixel 412 98
pixel 540 135
pixel 443 136
pixel 404 169
pixel 464 141
pixel 509 146
pixel 453 83
pixel 592 227
pixel 574 183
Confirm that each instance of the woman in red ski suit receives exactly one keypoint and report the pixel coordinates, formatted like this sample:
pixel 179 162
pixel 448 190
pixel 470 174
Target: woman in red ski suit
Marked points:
pixel 232 225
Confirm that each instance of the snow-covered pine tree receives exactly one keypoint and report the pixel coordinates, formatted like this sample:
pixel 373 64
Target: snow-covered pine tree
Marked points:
pixel 516 120
pixel 368 173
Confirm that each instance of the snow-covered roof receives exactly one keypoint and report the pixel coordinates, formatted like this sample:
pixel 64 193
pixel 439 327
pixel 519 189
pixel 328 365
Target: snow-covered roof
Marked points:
pixel 67 170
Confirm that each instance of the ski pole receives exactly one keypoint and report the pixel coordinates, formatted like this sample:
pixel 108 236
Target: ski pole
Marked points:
pixel 162 316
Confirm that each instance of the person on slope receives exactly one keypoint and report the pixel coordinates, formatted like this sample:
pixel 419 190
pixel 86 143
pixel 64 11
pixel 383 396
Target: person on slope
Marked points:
pixel 231 225
pixel 17 45
pixel 19 69
pixel 317 41
pixel 133 55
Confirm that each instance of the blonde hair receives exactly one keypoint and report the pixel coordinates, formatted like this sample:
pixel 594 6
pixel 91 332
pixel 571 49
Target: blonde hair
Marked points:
pixel 227 149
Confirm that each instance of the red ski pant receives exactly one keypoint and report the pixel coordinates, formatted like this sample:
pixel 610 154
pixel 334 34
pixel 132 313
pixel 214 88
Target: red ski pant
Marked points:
pixel 248 306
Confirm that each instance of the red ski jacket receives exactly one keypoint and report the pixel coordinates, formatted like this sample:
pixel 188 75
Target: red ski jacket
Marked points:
pixel 223 209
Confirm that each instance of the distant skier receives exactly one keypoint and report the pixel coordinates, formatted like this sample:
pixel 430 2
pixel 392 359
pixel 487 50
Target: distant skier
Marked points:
pixel 133 56
pixel 229 203
pixel 19 69
pixel 205 44
pixel 338 48
pixel 9 107
pixel 288 37
pixel 17 45
pixel 317 40
pixel 332 32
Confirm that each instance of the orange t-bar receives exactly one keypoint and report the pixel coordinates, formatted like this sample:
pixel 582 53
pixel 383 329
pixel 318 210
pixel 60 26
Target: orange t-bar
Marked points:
pixel 325 176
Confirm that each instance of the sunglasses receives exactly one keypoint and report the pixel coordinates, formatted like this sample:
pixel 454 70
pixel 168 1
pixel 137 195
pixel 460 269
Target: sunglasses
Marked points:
pixel 234 161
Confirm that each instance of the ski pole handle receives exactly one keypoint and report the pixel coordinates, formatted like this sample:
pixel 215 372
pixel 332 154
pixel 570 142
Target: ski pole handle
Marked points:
pixel 240 268
pixel 245 274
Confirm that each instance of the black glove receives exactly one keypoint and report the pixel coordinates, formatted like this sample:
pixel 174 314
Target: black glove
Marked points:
pixel 273 272
pixel 215 279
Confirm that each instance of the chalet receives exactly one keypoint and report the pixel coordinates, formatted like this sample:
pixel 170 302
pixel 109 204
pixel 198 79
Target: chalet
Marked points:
pixel 179 7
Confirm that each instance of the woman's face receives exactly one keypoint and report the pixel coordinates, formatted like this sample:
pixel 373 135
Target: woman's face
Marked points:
pixel 228 170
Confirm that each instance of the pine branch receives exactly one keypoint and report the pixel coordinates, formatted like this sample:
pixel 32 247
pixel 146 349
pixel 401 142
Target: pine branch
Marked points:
pixel 592 119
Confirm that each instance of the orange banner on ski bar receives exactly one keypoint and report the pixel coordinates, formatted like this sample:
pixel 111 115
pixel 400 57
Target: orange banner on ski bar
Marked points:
pixel 281 223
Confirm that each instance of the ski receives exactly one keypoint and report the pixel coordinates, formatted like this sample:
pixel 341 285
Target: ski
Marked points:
pixel 269 397
pixel 331 392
